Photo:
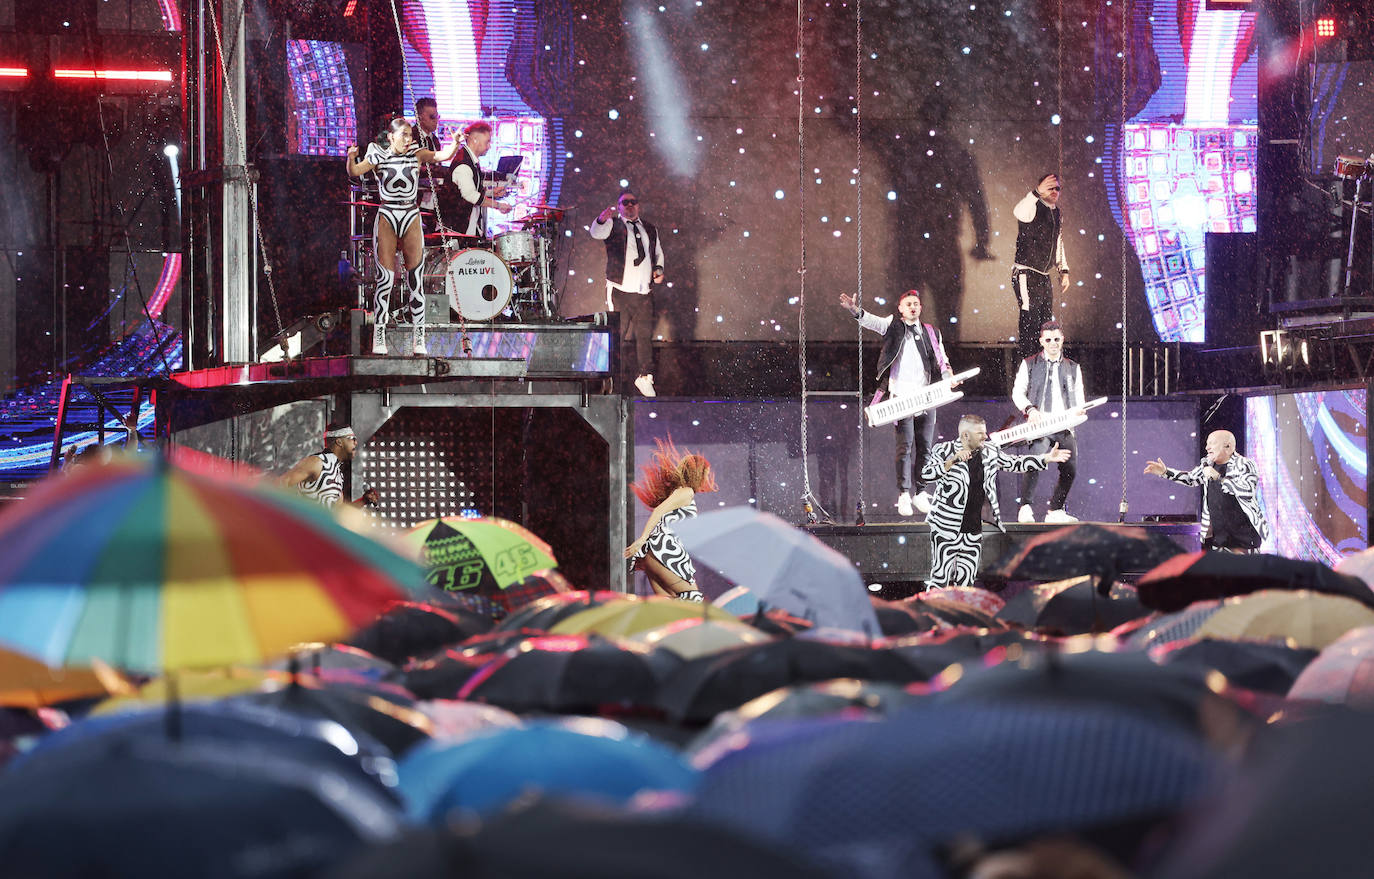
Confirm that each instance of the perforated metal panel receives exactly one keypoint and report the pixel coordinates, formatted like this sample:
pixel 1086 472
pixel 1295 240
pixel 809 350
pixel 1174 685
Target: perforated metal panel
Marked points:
pixel 428 463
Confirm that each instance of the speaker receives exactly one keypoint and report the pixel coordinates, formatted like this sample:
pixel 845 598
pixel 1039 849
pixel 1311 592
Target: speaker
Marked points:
pixel 1235 314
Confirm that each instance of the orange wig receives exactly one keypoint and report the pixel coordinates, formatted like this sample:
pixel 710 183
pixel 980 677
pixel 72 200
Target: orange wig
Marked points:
pixel 671 470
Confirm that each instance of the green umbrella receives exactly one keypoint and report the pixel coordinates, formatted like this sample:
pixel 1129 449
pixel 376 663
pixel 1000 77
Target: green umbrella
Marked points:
pixel 486 555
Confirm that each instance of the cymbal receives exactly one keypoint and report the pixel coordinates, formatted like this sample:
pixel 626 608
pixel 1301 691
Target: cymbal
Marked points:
pixel 549 207
pixel 363 204
pixel 449 235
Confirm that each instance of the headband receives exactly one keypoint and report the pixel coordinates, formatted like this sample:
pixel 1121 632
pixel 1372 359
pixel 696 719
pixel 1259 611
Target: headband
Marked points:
pixel 339 433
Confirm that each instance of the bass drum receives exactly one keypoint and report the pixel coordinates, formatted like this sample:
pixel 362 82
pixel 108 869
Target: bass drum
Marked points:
pixel 477 282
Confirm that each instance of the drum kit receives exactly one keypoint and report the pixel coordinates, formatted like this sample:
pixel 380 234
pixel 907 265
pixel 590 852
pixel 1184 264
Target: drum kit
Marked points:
pixel 510 275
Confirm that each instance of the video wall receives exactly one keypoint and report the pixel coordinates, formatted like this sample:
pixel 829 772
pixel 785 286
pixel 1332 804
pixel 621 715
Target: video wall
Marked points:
pixel 1310 449
pixel 917 143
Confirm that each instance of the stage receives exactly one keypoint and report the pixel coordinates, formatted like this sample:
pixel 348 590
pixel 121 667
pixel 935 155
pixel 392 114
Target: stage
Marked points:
pixel 898 555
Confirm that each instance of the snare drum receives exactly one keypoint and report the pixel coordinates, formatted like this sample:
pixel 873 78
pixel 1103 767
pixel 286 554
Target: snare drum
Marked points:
pixel 1349 167
pixel 516 248
pixel 478 283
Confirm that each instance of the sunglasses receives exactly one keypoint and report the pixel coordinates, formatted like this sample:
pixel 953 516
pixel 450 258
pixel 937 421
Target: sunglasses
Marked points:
pixel 1055 189
pixel 629 202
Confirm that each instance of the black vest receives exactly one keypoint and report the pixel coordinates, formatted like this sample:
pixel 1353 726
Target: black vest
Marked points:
pixel 615 248
pixel 462 208
pixel 1038 373
pixel 892 346
pixel 1036 240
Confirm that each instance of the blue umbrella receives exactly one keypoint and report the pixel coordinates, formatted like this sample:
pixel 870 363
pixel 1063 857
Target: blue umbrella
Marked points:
pixel 782 566
pixel 212 810
pixel 880 798
pixel 485 773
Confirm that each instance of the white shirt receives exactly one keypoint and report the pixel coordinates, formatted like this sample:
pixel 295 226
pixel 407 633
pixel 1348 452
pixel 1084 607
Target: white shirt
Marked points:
pixel 908 373
pixel 468 188
pixel 1056 403
pixel 637 277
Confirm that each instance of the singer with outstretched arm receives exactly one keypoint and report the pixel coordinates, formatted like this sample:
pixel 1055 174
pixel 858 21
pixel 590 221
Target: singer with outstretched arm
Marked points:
pixel 1232 518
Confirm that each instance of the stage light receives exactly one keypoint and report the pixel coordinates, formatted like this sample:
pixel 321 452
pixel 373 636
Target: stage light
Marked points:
pixel 350 8
pixel 14 72
pixel 1326 27
pixel 171 151
pixel 113 75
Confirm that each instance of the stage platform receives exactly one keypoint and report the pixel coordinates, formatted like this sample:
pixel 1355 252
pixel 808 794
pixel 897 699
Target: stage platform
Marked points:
pixel 899 554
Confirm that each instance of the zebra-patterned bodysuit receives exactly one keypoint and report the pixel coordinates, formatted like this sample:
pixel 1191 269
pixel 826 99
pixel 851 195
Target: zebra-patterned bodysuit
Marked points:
pixel 398 178
pixel 954 556
pixel 327 488
pixel 663 544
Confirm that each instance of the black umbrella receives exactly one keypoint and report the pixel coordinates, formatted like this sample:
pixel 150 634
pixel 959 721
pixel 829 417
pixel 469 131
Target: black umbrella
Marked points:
pixel 579 842
pixel 1199 576
pixel 1266 666
pixel 947 612
pixel 214 810
pixel 390 720
pixel 899 618
pixel 937 651
pixel 1103 551
pixel 706 686
pixel 778 622
pixel 548 612
pixel 1073 607
pixel 411 628
pixel 569 674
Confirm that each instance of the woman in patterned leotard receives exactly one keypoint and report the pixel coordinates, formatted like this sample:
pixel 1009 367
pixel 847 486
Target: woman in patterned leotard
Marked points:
pixel 396 162
pixel 669 489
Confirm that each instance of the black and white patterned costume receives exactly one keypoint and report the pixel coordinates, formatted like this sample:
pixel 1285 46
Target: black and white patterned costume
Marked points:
pixel 954 555
pixel 1241 481
pixel 663 544
pixel 398 178
pixel 326 488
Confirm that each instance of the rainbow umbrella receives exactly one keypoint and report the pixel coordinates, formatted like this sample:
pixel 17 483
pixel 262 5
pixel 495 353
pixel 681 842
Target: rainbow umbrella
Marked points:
pixel 27 683
pixel 152 568
pixel 485 555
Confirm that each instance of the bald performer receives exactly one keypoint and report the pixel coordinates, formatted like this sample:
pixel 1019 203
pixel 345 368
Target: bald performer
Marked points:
pixel 1231 515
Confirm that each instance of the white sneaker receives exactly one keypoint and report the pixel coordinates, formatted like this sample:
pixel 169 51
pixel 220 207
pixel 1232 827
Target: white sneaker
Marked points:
pixel 1026 515
pixel 923 502
pixel 645 385
pixel 904 504
pixel 379 339
pixel 1059 517
pixel 417 347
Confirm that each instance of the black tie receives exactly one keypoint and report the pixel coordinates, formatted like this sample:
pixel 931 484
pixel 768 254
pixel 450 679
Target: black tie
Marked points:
pixel 1050 378
pixel 639 243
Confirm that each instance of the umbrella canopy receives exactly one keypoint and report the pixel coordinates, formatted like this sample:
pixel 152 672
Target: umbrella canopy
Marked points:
pixel 987 602
pixel 212 809
pixel 1305 619
pixel 1199 576
pixel 394 722
pixel 484 773
pixel 148 567
pixel 695 636
pixel 1264 666
pixel 27 683
pixel 454 721
pixel 577 841
pixel 1073 607
pixel 570 674
pixel 1170 627
pixel 1102 551
pixel 632 616
pixel 1343 673
pixel 1358 564
pixel 951 613
pixel 881 798
pixel 411 628
pixel 784 567
pixel 544 613
pixel 484 555
pixel 704 687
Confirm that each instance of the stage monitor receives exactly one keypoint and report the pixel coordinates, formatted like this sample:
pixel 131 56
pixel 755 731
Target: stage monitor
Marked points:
pixel 322 112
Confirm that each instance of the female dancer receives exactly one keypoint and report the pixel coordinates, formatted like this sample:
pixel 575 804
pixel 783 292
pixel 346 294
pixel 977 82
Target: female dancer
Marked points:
pixel 671 482
pixel 396 160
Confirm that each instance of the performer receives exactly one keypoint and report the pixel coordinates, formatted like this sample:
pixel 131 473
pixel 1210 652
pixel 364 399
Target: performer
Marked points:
pixel 397 165
pixel 319 476
pixel 671 482
pixel 634 263
pixel 1039 247
pixel 470 216
pixel 967 472
pixel 426 133
pixel 912 356
pixel 1047 384
pixel 1231 515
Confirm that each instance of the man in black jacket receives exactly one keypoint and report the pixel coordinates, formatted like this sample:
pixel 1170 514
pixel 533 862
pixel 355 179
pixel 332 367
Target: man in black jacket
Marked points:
pixel 634 263
pixel 1039 248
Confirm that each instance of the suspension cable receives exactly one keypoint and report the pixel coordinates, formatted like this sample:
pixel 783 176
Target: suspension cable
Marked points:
pixel 859 231
pixel 807 497
pixel 1121 141
pixel 252 190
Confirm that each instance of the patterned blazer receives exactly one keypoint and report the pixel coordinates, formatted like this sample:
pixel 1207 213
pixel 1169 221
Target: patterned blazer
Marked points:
pixel 1241 481
pixel 951 491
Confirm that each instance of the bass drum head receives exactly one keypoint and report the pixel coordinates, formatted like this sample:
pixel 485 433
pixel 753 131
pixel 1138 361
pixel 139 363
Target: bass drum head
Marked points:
pixel 477 282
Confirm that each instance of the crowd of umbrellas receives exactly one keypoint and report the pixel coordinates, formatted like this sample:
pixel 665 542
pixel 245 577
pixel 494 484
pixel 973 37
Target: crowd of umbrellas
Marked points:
pixel 201 677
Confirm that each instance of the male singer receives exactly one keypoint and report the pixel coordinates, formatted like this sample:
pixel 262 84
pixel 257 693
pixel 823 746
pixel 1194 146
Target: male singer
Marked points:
pixel 1039 248
pixel 634 263
pixel 1231 515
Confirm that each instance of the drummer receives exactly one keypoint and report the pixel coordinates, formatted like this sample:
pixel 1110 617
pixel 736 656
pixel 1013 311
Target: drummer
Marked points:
pixel 470 215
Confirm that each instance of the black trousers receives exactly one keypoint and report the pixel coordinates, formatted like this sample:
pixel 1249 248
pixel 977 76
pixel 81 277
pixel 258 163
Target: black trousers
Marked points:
pixel 636 333
pixel 1067 471
pixel 1041 295
pixel 914 435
